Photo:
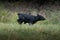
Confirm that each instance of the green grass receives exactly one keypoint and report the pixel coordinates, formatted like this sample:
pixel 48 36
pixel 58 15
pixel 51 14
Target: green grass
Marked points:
pixel 42 30
pixel 14 31
pixel 52 15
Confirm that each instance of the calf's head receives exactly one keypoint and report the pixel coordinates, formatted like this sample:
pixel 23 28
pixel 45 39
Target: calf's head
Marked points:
pixel 40 17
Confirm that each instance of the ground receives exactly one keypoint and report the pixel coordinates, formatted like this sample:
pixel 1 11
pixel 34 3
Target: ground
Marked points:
pixel 29 32
pixel 42 30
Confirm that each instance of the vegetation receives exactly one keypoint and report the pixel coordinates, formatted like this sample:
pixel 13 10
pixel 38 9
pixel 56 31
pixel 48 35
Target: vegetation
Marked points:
pixel 42 30
pixel 33 32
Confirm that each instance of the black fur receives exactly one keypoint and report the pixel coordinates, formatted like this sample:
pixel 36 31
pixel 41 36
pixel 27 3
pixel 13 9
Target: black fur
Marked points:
pixel 28 18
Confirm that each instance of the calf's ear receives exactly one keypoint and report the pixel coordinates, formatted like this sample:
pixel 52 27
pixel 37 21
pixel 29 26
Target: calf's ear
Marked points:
pixel 18 14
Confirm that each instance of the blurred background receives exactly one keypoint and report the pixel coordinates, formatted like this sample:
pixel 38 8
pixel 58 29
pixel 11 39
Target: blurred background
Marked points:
pixel 50 9
pixel 48 29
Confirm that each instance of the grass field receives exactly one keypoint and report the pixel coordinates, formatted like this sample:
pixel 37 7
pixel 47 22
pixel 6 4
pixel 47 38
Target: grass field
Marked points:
pixel 42 30
pixel 14 31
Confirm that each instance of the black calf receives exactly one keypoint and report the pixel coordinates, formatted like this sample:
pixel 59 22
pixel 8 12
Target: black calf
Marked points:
pixel 28 18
